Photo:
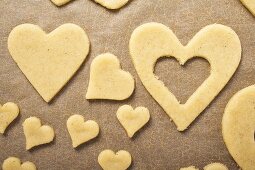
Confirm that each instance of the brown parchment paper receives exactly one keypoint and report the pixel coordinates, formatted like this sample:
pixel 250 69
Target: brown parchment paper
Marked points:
pixel 159 145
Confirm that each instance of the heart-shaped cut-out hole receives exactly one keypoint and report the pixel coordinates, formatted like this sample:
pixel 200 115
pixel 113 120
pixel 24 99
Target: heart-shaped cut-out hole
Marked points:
pixel 182 80
pixel 13 163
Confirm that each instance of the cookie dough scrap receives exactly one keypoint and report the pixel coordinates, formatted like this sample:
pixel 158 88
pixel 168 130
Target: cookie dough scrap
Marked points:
pixel 108 160
pixel 8 113
pixel 36 133
pixel 107 80
pixel 132 119
pixel 212 166
pixel 13 163
pixel 250 5
pixel 81 131
pixel 48 60
pixel 238 126
pixel 216 43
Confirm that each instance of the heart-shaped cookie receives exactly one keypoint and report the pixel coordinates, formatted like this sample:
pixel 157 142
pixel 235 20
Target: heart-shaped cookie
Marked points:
pixel 13 163
pixel 48 60
pixel 216 43
pixel 36 133
pixel 108 160
pixel 212 166
pixel 81 131
pixel 238 127
pixel 250 5
pixel 8 112
pixel 132 120
pixel 107 80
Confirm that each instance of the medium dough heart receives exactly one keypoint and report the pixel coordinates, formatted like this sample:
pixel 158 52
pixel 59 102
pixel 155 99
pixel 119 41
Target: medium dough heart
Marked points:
pixel 250 5
pixel 108 160
pixel 13 163
pixel 238 126
pixel 212 166
pixel 107 80
pixel 48 60
pixel 35 133
pixel 216 43
pixel 8 113
pixel 132 120
pixel 81 131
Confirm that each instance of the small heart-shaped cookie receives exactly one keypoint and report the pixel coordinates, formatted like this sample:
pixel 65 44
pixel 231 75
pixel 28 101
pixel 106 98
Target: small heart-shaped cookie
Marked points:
pixel 107 80
pixel 218 44
pixel 250 5
pixel 238 126
pixel 132 120
pixel 48 60
pixel 60 2
pixel 212 166
pixel 35 133
pixel 8 112
pixel 81 131
pixel 108 160
pixel 13 163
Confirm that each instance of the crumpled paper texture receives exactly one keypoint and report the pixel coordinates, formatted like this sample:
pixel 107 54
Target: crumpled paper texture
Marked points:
pixel 157 146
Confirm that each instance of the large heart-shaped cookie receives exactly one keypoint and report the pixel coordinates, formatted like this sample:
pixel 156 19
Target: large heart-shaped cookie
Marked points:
pixel 107 80
pixel 238 127
pixel 36 133
pixel 48 60
pixel 250 5
pixel 81 131
pixel 132 119
pixel 108 160
pixel 216 43
pixel 8 112
pixel 13 163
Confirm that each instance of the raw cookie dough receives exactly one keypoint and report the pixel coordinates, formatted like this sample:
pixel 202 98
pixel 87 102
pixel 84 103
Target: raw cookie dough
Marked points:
pixel 190 168
pixel 250 5
pixel 35 133
pixel 60 2
pixel 48 60
pixel 81 131
pixel 238 126
pixel 108 160
pixel 13 163
pixel 107 80
pixel 212 166
pixel 8 113
pixel 132 119
pixel 216 43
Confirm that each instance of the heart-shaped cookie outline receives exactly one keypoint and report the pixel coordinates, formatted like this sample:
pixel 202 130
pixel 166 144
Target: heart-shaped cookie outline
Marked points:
pixel 218 44
pixel 212 166
pixel 108 160
pixel 8 111
pixel 37 134
pixel 107 80
pixel 132 120
pixel 250 5
pixel 81 131
pixel 238 126
pixel 48 60
pixel 13 162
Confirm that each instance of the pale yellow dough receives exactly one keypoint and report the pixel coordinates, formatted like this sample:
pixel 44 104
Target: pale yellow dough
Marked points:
pixel 212 166
pixel 250 5
pixel 13 163
pixel 108 160
pixel 37 134
pixel 60 2
pixel 132 119
pixel 81 131
pixel 8 113
pixel 107 80
pixel 216 43
pixel 48 60
pixel 238 127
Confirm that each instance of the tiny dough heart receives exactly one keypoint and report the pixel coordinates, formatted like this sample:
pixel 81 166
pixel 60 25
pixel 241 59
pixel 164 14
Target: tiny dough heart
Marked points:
pixel 216 43
pixel 48 60
pixel 250 5
pixel 132 120
pixel 35 133
pixel 108 160
pixel 81 131
pixel 212 166
pixel 238 126
pixel 110 4
pixel 107 80
pixel 13 163
pixel 8 112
